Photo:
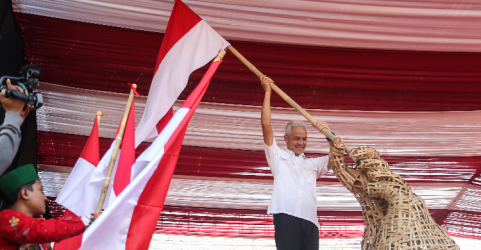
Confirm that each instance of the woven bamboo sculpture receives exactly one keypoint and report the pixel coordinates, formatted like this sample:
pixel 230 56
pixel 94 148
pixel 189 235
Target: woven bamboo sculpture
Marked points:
pixel 394 217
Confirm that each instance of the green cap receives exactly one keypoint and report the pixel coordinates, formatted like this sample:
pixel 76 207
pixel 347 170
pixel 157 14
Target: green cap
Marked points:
pixel 17 178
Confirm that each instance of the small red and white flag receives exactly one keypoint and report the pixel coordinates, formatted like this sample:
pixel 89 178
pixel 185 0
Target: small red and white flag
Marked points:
pixel 81 192
pixel 131 219
pixel 123 173
pixel 122 170
pixel 76 195
pixel 189 43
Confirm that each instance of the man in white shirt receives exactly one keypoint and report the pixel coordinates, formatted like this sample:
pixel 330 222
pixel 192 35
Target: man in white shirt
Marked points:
pixel 294 199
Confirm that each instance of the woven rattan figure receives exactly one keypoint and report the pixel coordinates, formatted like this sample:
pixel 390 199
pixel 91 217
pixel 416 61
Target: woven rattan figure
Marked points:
pixel 394 217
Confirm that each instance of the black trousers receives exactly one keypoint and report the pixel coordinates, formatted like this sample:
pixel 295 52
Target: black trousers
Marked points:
pixel 294 233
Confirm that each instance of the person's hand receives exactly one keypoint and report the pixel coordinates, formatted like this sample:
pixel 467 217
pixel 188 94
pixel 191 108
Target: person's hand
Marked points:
pixel 88 220
pixel 266 83
pixel 15 105
pixel 93 217
pixel 321 125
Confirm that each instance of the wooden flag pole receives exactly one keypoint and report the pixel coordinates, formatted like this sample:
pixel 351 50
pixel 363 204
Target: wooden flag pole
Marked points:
pixel 220 55
pixel 116 150
pixel 284 96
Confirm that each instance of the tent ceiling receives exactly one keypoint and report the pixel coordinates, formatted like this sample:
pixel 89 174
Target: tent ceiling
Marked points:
pixel 106 58
pixel 442 25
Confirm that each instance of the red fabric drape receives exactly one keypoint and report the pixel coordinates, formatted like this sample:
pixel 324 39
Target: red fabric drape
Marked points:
pixel 64 150
pixel 103 57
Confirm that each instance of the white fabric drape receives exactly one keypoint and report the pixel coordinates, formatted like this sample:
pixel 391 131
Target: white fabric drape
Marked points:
pixel 229 193
pixel 72 110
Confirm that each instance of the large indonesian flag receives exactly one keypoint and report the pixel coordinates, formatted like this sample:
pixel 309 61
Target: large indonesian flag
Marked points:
pixel 130 221
pixel 189 43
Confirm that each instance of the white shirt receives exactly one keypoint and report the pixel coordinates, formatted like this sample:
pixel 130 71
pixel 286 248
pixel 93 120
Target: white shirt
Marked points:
pixel 295 177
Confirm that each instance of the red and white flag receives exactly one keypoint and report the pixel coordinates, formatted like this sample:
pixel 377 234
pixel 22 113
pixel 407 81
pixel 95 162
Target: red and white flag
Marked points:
pixel 121 173
pixel 131 220
pixel 189 43
pixel 76 195
pixel 81 192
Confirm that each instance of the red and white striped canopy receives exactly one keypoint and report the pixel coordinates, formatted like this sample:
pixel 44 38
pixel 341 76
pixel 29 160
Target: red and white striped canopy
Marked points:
pixel 402 76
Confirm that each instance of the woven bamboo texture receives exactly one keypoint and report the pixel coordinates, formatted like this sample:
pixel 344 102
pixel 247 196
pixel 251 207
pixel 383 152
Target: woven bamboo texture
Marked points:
pixel 394 216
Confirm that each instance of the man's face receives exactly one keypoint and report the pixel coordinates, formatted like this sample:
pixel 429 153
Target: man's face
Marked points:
pixel 297 140
pixel 36 199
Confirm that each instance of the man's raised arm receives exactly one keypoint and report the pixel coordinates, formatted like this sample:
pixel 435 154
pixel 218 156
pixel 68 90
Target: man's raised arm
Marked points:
pixel 266 111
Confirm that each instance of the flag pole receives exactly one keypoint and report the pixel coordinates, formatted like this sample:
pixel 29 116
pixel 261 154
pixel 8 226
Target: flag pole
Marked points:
pixel 116 150
pixel 284 96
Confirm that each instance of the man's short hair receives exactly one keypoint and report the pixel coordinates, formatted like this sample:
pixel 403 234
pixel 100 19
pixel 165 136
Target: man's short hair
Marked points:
pixel 295 123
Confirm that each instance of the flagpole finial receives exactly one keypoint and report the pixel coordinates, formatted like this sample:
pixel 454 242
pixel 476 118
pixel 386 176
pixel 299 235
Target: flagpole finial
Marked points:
pixel 99 115
pixel 133 87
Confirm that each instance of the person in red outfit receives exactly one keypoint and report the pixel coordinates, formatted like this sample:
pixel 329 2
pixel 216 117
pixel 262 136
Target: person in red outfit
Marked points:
pixel 22 200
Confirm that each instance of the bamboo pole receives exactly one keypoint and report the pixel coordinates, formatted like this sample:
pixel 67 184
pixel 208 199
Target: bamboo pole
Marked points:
pixel 220 55
pixel 284 96
pixel 99 115
pixel 116 150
